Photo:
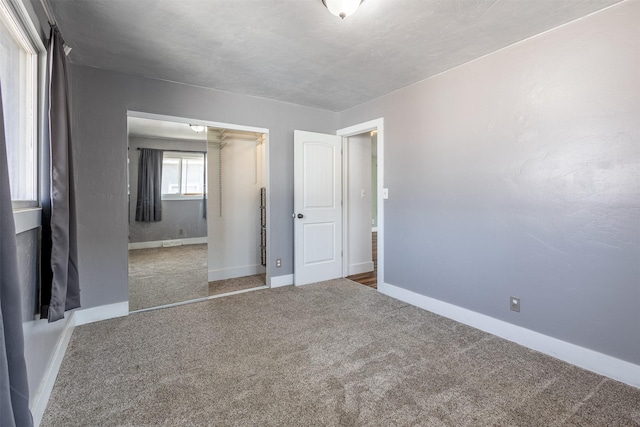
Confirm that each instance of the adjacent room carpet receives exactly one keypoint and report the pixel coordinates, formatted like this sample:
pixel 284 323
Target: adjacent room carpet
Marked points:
pixel 333 353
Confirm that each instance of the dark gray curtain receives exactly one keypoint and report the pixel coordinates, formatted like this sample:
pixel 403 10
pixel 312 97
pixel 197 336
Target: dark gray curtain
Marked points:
pixel 14 388
pixel 149 203
pixel 60 283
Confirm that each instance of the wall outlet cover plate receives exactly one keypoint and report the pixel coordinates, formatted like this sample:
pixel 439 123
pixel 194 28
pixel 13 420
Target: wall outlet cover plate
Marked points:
pixel 514 304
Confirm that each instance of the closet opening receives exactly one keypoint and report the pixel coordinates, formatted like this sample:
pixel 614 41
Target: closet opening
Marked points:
pixel 198 210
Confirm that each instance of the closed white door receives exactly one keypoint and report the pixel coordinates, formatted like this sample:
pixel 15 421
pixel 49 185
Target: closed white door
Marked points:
pixel 317 207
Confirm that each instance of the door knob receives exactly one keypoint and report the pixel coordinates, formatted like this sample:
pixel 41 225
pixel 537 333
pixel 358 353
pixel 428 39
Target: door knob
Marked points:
pixel 300 216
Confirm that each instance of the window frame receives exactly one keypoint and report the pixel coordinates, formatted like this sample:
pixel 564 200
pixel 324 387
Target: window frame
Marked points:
pixel 182 155
pixel 27 213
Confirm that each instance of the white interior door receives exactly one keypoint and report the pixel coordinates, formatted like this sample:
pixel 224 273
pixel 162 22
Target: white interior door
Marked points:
pixel 317 207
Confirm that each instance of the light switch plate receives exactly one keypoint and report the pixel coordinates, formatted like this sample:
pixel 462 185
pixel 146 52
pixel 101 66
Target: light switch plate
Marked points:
pixel 385 193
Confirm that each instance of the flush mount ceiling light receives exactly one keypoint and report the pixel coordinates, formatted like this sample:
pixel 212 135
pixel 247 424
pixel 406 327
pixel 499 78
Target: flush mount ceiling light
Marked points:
pixel 342 8
pixel 197 128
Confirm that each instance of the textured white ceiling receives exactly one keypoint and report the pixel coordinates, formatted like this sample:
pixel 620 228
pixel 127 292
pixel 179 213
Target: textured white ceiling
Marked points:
pixel 295 50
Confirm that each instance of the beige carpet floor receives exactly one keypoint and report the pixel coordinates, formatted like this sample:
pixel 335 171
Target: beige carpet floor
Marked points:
pixel 159 276
pixel 334 353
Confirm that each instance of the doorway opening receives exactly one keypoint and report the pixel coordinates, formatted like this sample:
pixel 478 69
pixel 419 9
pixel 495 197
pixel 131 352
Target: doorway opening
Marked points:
pixel 360 152
pixel 322 227
pixel 363 206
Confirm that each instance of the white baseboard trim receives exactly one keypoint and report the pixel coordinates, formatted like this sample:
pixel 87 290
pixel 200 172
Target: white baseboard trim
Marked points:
pixel 363 267
pixel 76 318
pixel 591 360
pixel 43 393
pixel 230 273
pixel 161 243
pixel 279 281
pixel 102 312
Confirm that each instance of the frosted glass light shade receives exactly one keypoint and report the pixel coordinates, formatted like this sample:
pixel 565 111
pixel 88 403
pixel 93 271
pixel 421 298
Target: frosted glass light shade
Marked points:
pixel 197 128
pixel 342 8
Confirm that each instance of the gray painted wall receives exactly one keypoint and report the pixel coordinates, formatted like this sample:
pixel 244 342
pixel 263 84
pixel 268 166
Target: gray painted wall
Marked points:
pixel 518 174
pixel 100 100
pixel 181 219
pixel 27 244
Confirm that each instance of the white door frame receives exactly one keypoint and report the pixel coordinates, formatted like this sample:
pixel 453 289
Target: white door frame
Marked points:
pixel 377 124
pixel 143 115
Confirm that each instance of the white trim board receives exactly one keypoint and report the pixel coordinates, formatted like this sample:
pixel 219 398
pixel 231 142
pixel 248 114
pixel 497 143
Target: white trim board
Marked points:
pixel 377 125
pixel 103 312
pixel 585 358
pixel 233 272
pixel 362 267
pixel 42 394
pixel 160 243
pixel 76 318
pixel 279 281
pixel 163 117
pixel 27 219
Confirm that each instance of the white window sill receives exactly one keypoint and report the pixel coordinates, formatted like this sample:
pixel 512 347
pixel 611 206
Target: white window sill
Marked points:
pixel 27 219
pixel 179 197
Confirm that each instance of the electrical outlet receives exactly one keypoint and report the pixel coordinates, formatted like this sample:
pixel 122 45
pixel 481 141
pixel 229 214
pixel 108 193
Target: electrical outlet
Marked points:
pixel 514 304
pixel 278 263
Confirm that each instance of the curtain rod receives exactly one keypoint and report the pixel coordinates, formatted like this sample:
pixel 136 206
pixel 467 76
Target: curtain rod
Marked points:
pixel 175 151
pixel 47 11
